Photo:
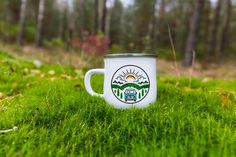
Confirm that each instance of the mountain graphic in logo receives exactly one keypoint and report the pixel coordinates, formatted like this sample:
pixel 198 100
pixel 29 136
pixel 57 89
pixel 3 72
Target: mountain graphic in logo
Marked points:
pixel 130 84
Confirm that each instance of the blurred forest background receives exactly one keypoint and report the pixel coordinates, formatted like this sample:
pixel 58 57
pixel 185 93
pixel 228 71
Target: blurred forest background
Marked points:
pixel 97 27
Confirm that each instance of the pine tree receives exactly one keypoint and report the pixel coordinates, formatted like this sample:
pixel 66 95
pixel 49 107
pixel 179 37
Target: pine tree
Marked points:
pixel 215 30
pixel 22 22
pixel 193 32
pixel 40 23
pixel 225 29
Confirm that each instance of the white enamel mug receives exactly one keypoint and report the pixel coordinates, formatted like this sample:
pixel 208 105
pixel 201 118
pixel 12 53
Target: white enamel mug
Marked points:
pixel 129 80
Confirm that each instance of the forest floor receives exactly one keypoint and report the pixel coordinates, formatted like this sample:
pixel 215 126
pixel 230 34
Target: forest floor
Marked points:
pixel 53 115
pixel 224 70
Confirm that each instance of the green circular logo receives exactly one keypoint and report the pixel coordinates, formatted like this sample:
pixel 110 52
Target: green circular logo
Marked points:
pixel 130 84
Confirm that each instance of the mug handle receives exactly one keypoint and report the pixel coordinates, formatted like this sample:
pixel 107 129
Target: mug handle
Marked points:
pixel 87 81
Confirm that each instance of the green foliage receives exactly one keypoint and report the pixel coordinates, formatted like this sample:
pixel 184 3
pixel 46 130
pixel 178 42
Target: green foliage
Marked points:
pixel 13 31
pixel 117 49
pixel 57 117
pixel 168 54
pixel 30 32
pixel 116 25
pixel 55 43
pixel 8 32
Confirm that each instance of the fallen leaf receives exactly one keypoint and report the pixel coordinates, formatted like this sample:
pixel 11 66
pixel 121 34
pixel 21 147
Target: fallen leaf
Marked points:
pixel 1 95
pixel 205 80
pixel 77 86
pixel 10 98
pixel 35 71
pixel 42 75
pixel 53 78
pixel 67 77
pixel 14 85
pixel 6 99
pixel 37 63
pixel 29 85
pixel 26 70
pixel 63 76
pixel 3 108
pixel 51 72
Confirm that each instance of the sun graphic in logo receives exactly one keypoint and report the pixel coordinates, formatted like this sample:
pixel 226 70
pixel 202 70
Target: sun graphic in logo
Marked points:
pixel 130 75
pixel 130 78
pixel 130 84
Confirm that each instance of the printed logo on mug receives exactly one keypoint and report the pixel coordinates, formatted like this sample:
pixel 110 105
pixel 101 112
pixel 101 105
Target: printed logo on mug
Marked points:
pixel 130 80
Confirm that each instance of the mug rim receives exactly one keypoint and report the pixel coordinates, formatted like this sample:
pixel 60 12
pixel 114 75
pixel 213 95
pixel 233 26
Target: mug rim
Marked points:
pixel 121 55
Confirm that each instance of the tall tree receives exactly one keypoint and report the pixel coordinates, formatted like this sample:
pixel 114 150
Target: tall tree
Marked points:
pixel 70 26
pixel 154 25
pixel 144 17
pixel 104 16
pixel 13 8
pixel 215 30
pixel 116 22
pixel 206 25
pixel 81 16
pixel 224 34
pixel 96 16
pixel 107 23
pixel 184 11
pixel 193 32
pixel 161 22
pixel 22 22
pixel 40 23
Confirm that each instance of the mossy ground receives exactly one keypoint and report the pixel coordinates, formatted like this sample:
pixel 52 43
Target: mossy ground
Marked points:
pixel 55 116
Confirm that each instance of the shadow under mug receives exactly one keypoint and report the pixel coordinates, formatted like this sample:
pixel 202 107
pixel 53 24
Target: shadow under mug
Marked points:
pixel 129 80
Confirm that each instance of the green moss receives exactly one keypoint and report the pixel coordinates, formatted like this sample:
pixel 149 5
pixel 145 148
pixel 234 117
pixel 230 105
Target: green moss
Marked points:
pixel 59 118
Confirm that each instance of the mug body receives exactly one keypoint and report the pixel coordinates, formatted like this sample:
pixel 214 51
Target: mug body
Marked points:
pixel 130 80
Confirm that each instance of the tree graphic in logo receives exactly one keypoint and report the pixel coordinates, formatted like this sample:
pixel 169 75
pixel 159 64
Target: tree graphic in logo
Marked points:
pixel 130 84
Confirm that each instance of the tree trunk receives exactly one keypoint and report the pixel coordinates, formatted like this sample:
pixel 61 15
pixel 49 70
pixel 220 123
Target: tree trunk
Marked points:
pixel 104 15
pixel 81 16
pixel 40 23
pixel 215 30
pixel 206 27
pixel 162 26
pixel 143 15
pixel 225 30
pixel 96 17
pixel 193 32
pixel 70 20
pixel 154 26
pixel 22 22
pixel 107 24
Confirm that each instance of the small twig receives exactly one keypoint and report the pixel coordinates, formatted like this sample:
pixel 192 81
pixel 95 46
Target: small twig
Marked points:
pixel 173 51
pixel 6 99
pixel 8 130
pixel 191 69
pixel 9 98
